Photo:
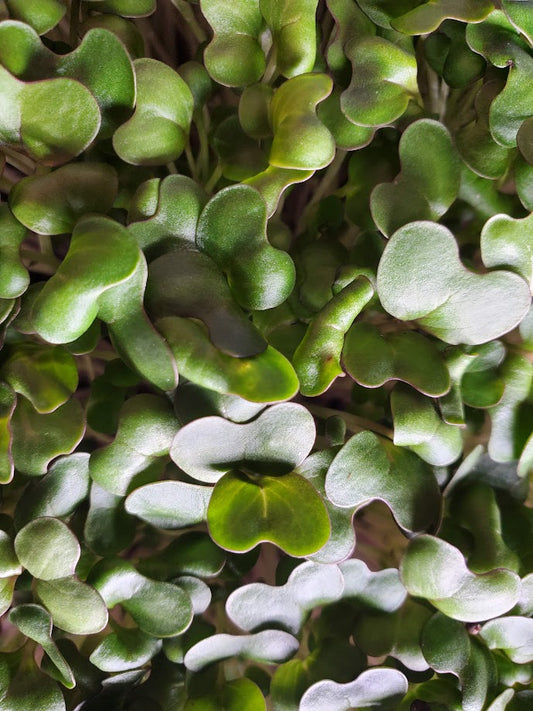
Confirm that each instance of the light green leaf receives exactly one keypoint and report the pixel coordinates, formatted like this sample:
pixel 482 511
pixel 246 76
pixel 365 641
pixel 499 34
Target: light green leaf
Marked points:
pixel 75 606
pixel 286 510
pixel 9 563
pixel 124 649
pixel 169 504
pixel 274 443
pixel 8 401
pixel 108 528
pixel 47 548
pixel 512 634
pixel 420 276
pixel 272 183
pixel 42 15
pixel 235 695
pixel 427 16
pixel 508 243
pixel 293 27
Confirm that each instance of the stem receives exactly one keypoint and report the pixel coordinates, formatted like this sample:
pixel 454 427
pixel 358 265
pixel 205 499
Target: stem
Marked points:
pixel 40 258
pixel 187 13
pixel 191 162
pixel 18 160
pixel 353 422
pixel 271 70
pixel 213 180
pixel 171 167
pixel 202 120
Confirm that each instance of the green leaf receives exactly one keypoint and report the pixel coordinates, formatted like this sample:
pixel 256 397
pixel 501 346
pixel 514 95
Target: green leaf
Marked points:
pixel 267 377
pixel 429 15
pixel 169 504
pixel 36 623
pixel 383 687
pixel 293 27
pixel 46 376
pixel 383 81
pixel 170 221
pixel 268 647
pixel 158 130
pixel 449 55
pixel 350 22
pixel 64 429
pixel 235 695
pixel 14 277
pixel 189 283
pixel 58 492
pixel 232 231
pixel 294 113
pixel 418 426
pixel 372 359
pixel 8 401
pixel 310 585
pixel 240 157
pixel 508 243
pixel 420 276
pixel 436 570
pixel 75 606
pixel 428 183
pixel 42 15
pixel 348 136
pixel 124 649
pixel 31 689
pixel 388 473
pixel 66 122
pixel 285 510
pixel 274 443
pixel 234 56
pixel 51 204
pixel 272 183
pixel 108 528
pixel 317 358
pixel 512 634
pixel 518 13
pixel 159 609
pixel 47 548
pixel 102 254
pixel 127 8
pixel 146 428
pixel 192 553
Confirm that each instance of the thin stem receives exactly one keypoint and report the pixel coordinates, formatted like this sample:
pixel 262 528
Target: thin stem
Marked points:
pixel 187 13
pixel 171 167
pixel 100 354
pixel 271 70
pixel 191 161
pixel 353 422
pixel 213 180
pixel 202 118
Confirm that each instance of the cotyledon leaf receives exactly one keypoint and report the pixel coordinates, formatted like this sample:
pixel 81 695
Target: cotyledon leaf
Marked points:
pixel 420 276
pixel 146 428
pixel 56 554
pixel 293 27
pixel 513 634
pixel 102 254
pixel 232 231
pixel 42 15
pixel 234 56
pixel 269 646
pixel 272 183
pixel 266 377
pixel 170 504
pixel 189 283
pixel 372 359
pixel 427 184
pixel 427 16
pixel 508 243
pixel 294 113
pixel 14 277
pixel 436 570
pixel 258 605
pixel 75 606
pixel 369 467
pixel 158 130
pixel 317 358
pixel 274 443
pixel 52 203
pixel 8 401
pixel 124 649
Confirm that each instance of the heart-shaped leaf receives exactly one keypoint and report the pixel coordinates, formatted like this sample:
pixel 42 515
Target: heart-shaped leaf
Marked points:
pixel 436 570
pixel 294 113
pixel 258 605
pixel 170 504
pixel 369 467
pixel 47 377
pixel 381 590
pixel 272 183
pixel 348 136
pixel 102 254
pixel 383 81
pixel 147 426
pixel 350 22
pixel 372 359
pixel 426 186
pixel 124 649
pixel 160 609
pixel 317 358
pixel 293 27
pixel 512 634
pixel 286 510
pixel 371 688
pixel 36 623
pixel 171 223
pixel 418 426
pixel 507 242
pixel 232 231
pixel 47 548
pixel 75 606
pixel 433 287
pixel 58 492
pixel 234 56
pixel 64 429
pixel 158 130
pixel 189 283
pixel 51 204
pixel 267 377
pixel 268 647
pixel 274 443
pixel 14 278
